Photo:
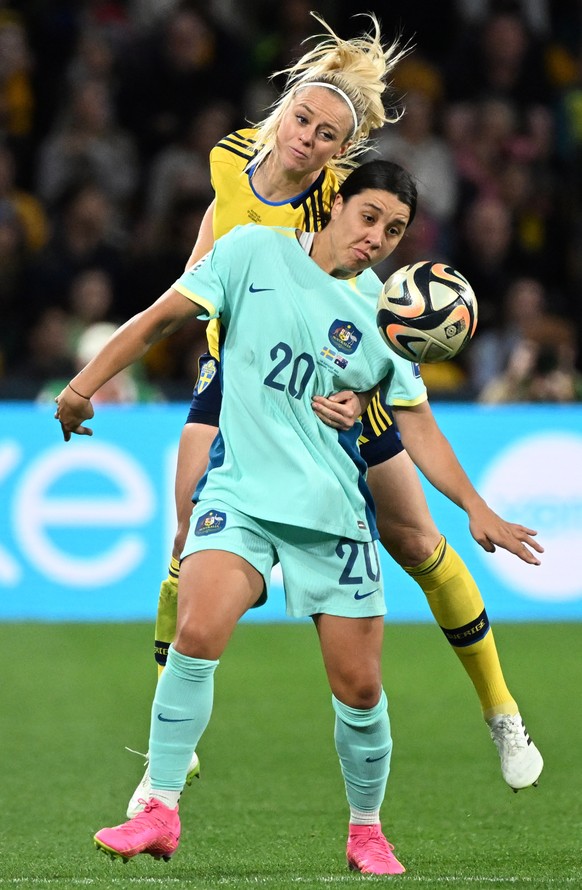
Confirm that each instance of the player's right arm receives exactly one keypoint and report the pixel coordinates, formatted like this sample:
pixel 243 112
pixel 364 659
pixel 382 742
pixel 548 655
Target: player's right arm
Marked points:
pixel 205 239
pixel 433 454
pixel 127 345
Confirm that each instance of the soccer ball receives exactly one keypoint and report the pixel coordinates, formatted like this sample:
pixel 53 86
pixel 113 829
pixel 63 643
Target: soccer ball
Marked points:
pixel 427 312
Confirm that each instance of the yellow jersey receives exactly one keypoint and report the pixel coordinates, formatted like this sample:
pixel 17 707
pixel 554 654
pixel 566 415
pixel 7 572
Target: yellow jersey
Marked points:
pixel 237 203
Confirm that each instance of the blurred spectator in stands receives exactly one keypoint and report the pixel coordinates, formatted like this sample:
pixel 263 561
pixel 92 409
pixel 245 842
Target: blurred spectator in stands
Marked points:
pixel 17 99
pixel 90 301
pixel 539 227
pixel 541 367
pixel 87 146
pixel 495 160
pixel 479 135
pixel 84 237
pixel 147 267
pixel 45 354
pixel 27 208
pixel 536 13
pixel 232 15
pixel 499 58
pixel 485 254
pixel 524 304
pixel 182 170
pixel 126 388
pixel 184 63
pixel 93 59
pixel 145 13
pixel 108 16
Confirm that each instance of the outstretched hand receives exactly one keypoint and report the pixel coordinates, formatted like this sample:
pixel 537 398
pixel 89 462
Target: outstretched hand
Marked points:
pixel 72 411
pixel 340 410
pixel 491 531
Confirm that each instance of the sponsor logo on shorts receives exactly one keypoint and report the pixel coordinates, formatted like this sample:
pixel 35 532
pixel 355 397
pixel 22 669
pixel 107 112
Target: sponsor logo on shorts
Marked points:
pixel 345 336
pixel 209 523
pixel 206 376
pixel 362 596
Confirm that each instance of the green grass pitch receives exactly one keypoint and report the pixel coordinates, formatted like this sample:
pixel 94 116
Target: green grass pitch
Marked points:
pixel 270 810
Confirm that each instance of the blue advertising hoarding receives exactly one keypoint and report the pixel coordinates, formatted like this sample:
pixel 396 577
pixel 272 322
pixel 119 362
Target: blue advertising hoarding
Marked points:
pixel 86 527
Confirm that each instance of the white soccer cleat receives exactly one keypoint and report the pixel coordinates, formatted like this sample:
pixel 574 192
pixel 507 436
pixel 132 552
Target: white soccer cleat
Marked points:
pixel 144 792
pixel 521 762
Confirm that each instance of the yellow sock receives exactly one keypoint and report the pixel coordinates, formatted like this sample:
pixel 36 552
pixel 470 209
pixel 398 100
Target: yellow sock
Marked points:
pixel 167 614
pixel 457 605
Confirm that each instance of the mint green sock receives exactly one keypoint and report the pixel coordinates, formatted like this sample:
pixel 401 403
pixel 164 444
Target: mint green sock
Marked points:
pixel 364 746
pixel 180 714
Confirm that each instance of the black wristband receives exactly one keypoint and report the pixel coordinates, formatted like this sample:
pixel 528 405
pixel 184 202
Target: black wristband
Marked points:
pixel 87 398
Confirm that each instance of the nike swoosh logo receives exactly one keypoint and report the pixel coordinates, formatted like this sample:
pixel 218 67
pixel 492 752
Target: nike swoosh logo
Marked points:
pixel 375 759
pixel 362 596
pixel 259 290
pixel 172 720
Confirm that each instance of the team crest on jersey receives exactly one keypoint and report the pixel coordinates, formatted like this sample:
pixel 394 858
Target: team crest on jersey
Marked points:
pixel 345 336
pixel 209 523
pixel 416 369
pixel 206 375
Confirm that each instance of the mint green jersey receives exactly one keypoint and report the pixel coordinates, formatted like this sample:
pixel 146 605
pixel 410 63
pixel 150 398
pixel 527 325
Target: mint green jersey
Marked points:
pixel 292 332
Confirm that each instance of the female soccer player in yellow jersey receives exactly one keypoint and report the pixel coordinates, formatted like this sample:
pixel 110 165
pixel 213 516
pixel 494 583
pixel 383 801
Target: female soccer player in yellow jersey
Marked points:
pixel 286 172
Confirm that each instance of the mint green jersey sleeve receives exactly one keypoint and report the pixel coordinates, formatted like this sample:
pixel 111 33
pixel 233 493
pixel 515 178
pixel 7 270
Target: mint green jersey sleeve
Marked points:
pixel 404 386
pixel 206 282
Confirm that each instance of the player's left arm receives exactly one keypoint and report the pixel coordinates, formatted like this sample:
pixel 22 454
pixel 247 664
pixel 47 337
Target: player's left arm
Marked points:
pixel 433 455
pixel 127 345
pixel 205 239
pixel 342 409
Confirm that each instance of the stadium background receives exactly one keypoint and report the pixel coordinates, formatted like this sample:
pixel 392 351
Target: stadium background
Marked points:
pixel 107 111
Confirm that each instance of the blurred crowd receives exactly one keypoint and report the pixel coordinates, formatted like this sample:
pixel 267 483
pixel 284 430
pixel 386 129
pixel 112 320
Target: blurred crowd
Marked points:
pixel 108 110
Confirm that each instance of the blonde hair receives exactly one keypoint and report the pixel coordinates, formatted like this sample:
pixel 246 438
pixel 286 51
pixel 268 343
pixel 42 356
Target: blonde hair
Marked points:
pixel 358 68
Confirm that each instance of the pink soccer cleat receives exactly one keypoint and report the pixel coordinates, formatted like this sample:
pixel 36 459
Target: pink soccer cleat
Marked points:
pixel 156 831
pixel 369 852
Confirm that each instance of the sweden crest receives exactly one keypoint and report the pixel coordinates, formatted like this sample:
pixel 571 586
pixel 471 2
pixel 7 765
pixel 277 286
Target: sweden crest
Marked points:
pixel 206 376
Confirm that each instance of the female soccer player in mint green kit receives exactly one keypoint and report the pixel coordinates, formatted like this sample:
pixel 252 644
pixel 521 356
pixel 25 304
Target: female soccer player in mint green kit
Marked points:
pixel 320 307
pixel 286 173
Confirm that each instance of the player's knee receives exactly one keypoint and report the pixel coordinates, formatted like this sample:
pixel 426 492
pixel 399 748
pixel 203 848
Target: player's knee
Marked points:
pixel 406 546
pixel 198 641
pixel 361 692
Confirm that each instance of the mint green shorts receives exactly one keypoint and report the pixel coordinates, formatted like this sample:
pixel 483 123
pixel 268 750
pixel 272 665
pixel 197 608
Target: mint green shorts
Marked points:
pixel 322 574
